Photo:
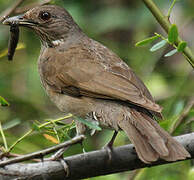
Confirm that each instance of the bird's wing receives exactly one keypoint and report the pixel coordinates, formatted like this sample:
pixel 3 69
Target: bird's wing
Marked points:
pixel 82 72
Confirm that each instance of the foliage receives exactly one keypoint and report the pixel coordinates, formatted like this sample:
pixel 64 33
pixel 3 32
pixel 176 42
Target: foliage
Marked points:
pixel 171 40
pixel 119 26
pixel 3 102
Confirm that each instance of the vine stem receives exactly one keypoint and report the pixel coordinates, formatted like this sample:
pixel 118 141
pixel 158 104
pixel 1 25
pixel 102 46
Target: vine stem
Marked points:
pixel 40 126
pixel 3 137
pixel 164 22
pixel 170 9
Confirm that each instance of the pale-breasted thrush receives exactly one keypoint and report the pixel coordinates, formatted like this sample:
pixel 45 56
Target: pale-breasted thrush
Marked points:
pixel 85 78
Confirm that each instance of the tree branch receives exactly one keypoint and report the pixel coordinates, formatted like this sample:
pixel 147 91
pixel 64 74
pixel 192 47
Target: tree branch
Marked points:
pixel 164 22
pixel 42 153
pixel 89 164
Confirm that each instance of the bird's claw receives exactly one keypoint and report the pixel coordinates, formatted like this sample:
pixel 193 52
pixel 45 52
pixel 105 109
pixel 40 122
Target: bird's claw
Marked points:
pixel 65 166
pixel 108 149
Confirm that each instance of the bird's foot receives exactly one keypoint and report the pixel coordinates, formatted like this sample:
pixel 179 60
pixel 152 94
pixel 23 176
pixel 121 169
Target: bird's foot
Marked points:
pixel 65 166
pixel 82 146
pixel 108 148
pixel 58 156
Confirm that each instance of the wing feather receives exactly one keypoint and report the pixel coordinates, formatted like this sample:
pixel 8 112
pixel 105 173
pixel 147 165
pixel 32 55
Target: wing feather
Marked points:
pixel 96 73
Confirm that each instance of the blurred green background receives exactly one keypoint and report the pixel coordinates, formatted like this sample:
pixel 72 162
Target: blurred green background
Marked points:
pixel 118 24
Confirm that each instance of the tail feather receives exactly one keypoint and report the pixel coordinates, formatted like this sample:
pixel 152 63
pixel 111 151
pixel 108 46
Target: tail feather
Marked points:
pixel 150 140
pixel 144 150
pixel 149 132
pixel 176 150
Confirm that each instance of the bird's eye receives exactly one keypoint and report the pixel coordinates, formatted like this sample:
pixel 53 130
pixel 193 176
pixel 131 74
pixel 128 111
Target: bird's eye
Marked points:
pixel 45 15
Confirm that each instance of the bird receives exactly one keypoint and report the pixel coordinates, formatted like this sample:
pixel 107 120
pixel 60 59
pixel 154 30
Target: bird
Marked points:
pixel 85 78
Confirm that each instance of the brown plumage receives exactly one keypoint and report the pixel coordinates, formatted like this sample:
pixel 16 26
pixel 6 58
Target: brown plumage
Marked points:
pixel 85 78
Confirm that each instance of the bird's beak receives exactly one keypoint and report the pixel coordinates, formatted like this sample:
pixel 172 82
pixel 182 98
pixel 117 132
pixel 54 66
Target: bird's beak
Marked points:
pixel 19 20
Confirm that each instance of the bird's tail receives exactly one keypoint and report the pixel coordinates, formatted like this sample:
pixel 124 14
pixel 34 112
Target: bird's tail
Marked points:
pixel 150 140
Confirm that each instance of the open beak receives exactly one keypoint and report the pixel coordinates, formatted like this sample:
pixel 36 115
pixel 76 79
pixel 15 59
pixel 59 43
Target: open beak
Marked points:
pixel 19 20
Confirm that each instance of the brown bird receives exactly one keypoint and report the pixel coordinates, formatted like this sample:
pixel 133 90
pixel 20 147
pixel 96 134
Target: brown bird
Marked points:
pixel 85 78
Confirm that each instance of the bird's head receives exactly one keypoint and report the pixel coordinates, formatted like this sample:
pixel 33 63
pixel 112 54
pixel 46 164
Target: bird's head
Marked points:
pixel 51 23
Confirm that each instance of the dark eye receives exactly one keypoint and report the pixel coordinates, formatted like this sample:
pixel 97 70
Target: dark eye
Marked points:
pixel 45 15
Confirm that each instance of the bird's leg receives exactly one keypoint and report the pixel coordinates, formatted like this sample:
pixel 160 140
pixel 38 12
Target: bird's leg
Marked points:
pixel 82 146
pixel 65 166
pixel 59 154
pixel 109 145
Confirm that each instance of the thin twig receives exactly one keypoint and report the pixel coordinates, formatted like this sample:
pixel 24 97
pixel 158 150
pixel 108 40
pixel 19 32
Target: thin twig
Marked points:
pixel 44 152
pixel 3 137
pixel 19 140
pixel 184 113
pixel 170 9
pixel 13 155
pixel 55 120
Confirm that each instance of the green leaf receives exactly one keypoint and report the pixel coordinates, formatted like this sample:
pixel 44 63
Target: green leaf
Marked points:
pixel 178 108
pixel 11 124
pixel 181 46
pixel 35 127
pixel 90 124
pixel 158 45
pixel 146 41
pixel 173 33
pixel 3 102
pixel 171 53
